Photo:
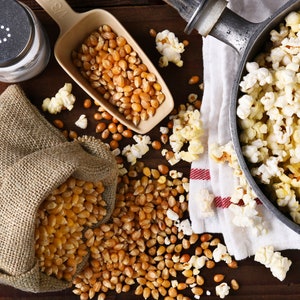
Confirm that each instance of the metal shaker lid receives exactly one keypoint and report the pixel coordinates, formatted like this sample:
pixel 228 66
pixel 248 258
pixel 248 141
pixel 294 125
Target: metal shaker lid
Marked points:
pixel 16 32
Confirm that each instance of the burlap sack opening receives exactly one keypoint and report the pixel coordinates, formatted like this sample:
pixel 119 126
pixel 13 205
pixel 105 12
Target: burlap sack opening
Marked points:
pixel 35 158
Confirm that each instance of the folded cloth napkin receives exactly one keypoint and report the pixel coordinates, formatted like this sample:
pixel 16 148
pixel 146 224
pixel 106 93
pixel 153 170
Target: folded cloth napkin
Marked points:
pixel 220 66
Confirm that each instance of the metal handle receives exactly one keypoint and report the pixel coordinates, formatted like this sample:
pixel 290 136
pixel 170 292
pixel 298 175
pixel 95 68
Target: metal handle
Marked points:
pixel 205 16
pixel 234 30
pixel 214 18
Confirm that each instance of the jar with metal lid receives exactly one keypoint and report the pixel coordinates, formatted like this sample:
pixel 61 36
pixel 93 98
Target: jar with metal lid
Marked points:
pixel 24 45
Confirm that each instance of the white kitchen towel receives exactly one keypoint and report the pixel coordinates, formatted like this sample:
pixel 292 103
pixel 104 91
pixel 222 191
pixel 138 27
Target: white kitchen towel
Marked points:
pixel 220 66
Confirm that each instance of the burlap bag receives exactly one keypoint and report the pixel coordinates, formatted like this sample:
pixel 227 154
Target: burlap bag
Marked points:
pixel 35 158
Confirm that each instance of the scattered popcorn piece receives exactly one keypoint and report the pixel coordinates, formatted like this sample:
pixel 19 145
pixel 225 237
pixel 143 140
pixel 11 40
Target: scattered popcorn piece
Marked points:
pixel 173 160
pixel 278 264
pixel 164 130
pixel 184 226
pixel 196 263
pixel 169 47
pixel 222 290
pixel 187 129
pixel 205 203
pixel 186 186
pixel 167 241
pixel 63 99
pixel 220 253
pixel 132 152
pixel 199 262
pixel 175 174
pixel 172 215
pixel 82 122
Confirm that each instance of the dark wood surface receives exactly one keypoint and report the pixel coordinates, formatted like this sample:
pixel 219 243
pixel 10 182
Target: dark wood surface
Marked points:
pixel 256 282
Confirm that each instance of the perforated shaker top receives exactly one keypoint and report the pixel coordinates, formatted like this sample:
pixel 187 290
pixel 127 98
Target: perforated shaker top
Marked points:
pixel 16 32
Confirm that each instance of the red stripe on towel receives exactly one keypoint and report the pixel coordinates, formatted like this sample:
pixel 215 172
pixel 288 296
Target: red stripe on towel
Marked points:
pixel 200 174
pixel 222 202
pixel 225 202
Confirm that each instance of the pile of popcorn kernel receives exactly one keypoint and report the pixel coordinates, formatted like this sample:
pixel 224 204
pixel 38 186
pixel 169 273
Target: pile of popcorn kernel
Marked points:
pixel 269 112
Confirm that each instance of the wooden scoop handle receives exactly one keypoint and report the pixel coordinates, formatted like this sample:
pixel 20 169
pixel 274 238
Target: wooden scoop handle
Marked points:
pixel 61 13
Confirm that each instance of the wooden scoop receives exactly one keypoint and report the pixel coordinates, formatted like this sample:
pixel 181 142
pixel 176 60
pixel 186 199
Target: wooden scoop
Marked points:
pixel 74 29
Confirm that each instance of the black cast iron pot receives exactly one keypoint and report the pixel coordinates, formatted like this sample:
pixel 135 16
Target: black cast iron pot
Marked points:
pixel 248 39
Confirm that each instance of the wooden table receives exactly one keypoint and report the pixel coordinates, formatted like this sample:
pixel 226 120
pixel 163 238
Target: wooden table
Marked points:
pixel 256 282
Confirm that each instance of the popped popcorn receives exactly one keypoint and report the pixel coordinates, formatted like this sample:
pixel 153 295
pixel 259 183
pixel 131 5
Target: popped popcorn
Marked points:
pixel 187 129
pixel 62 99
pixel 222 290
pixel 184 226
pixel 170 48
pixel 269 110
pixel 82 122
pixel 197 262
pixel 277 264
pixel 245 215
pixel 220 253
pixel 172 215
pixel 205 203
pixel 132 152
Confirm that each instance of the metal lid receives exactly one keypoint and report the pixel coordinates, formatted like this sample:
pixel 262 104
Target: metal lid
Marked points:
pixel 16 32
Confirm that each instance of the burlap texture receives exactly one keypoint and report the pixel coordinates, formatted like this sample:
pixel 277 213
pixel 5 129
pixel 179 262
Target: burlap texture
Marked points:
pixel 35 158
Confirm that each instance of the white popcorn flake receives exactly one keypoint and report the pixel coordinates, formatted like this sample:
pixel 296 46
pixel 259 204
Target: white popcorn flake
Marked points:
pixel 164 130
pixel 170 48
pixel 268 170
pixel 172 215
pixel 184 226
pixel 82 122
pixel 199 262
pixel 247 216
pixel 256 77
pixel 167 241
pixel 132 152
pixel 186 186
pixel 196 263
pixel 205 203
pixel 278 264
pixel 175 174
pixel 164 152
pixel 244 107
pixel 222 290
pixel 187 130
pixel 220 253
pixel 174 283
pixel 63 99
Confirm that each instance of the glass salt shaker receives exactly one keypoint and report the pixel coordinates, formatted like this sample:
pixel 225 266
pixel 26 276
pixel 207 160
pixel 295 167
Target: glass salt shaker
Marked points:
pixel 24 45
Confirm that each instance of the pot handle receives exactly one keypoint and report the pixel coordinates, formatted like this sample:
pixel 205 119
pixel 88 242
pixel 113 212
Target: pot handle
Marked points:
pixel 213 18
